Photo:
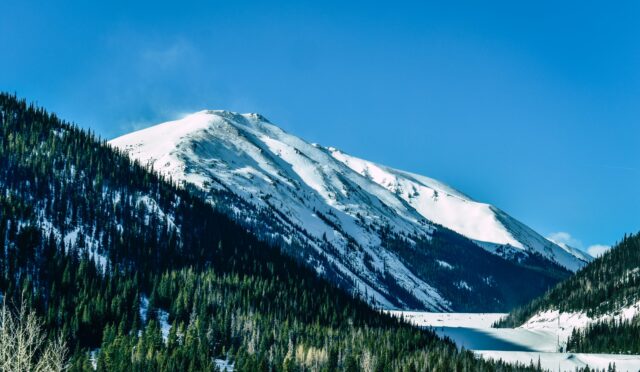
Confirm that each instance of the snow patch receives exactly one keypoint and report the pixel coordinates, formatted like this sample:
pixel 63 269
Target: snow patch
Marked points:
pixel 93 358
pixel 165 327
pixel 224 365
pixel 144 309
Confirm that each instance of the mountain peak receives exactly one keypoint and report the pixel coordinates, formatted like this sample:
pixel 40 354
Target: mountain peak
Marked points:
pixel 346 207
pixel 252 117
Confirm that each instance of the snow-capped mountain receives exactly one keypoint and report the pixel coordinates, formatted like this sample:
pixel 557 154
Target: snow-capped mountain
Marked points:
pixel 483 223
pixel 346 211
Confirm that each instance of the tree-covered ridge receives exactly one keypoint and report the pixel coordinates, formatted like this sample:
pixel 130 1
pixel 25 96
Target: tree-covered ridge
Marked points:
pixel 617 337
pixel 88 237
pixel 607 284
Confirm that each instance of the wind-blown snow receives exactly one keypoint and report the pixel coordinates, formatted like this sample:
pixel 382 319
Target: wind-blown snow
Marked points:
pixel 325 196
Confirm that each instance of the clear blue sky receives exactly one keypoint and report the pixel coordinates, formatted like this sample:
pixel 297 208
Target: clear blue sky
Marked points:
pixel 532 106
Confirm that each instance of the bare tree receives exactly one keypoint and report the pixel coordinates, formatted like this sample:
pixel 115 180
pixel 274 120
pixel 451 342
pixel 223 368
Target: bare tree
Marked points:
pixel 24 345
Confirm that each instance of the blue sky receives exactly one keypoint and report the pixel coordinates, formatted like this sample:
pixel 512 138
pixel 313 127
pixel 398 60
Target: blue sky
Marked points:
pixel 531 106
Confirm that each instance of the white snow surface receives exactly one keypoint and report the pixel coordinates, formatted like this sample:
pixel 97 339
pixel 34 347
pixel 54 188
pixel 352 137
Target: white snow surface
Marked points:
pixel 224 365
pixel 435 201
pixel 427 319
pixel 324 195
pixel 522 344
pixel 165 326
pixel 448 207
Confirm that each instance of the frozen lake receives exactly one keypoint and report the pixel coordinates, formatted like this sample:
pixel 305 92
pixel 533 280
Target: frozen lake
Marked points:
pixel 474 332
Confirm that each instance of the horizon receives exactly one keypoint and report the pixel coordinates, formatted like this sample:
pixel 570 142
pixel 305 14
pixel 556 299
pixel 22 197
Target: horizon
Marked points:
pixel 539 121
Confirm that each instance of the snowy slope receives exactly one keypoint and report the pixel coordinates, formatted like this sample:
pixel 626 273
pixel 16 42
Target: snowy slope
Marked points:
pixel 446 206
pixel 318 198
pixel 323 197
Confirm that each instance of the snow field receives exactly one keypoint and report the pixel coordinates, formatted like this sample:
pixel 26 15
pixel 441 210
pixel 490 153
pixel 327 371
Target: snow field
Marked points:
pixel 536 340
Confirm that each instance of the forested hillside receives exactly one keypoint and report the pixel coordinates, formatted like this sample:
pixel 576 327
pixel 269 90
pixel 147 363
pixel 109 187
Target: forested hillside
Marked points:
pixel 605 290
pixel 136 274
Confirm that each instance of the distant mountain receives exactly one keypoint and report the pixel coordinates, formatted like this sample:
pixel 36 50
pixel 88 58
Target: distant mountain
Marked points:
pixel 598 309
pixel 398 239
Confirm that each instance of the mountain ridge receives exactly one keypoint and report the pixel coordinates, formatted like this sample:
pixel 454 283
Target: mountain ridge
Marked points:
pixel 257 121
pixel 344 208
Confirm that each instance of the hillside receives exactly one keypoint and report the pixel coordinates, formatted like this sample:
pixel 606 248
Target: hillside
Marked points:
pixel 137 274
pixel 598 308
pixel 397 239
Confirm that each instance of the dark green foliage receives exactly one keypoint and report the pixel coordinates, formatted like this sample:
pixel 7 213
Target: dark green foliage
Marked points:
pixel 88 236
pixel 607 284
pixel 617 337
